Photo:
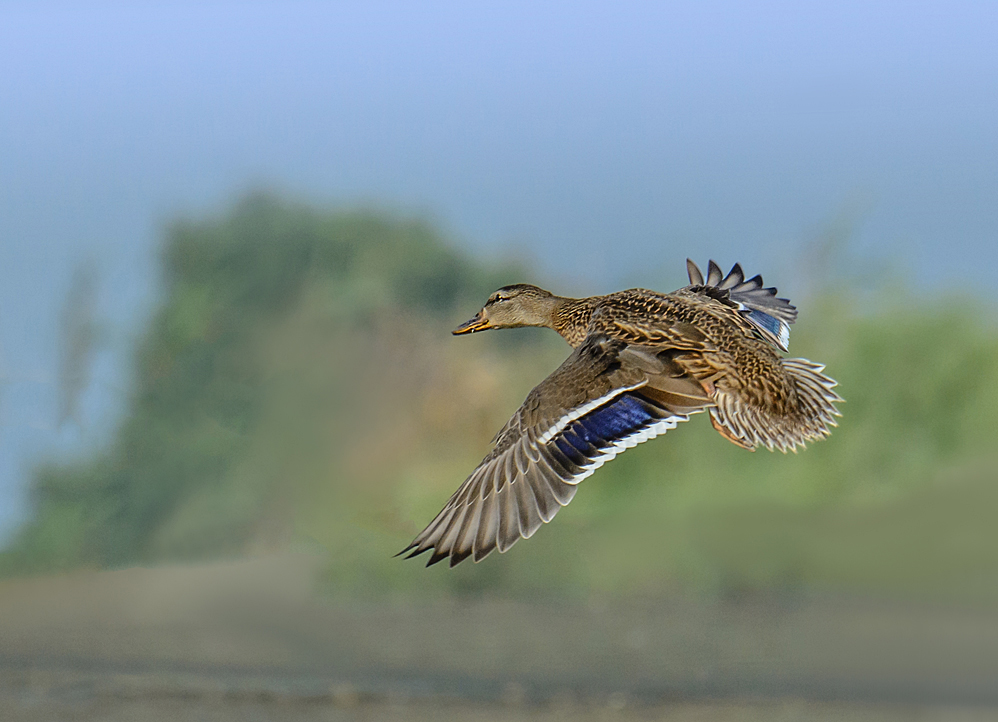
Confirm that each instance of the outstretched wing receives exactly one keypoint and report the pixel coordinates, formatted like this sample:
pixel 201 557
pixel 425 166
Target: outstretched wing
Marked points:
pixel 770 315
pixel 585 413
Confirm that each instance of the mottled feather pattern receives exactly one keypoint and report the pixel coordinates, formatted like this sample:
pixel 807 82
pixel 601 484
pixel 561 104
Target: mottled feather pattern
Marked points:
pixel 643 361
pixel 807 416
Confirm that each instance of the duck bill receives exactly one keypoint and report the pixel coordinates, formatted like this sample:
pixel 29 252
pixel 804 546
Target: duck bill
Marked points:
pixel 478 323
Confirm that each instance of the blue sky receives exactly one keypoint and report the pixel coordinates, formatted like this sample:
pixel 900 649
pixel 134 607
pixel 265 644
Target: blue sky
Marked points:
pixel 607 140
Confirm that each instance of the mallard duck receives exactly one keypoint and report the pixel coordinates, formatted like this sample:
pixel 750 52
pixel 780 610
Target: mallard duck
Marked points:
pixel 642 362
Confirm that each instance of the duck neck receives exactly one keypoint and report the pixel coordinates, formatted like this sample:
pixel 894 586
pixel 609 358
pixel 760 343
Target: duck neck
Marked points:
pixel 571 318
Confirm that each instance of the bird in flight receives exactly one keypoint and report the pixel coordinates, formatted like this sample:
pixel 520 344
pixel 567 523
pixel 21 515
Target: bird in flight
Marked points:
pixel 642 362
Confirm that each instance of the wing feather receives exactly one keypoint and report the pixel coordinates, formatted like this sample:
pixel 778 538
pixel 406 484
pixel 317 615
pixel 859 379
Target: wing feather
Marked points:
pixel 509 522
pixel 696 277
pixel 771 316
pixel 488 527
pixel 584 414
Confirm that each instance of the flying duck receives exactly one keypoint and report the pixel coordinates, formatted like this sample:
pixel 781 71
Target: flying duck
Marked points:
pixel 642 362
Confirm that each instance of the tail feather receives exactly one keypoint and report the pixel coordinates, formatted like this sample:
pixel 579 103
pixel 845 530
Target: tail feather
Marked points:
pixel 810 420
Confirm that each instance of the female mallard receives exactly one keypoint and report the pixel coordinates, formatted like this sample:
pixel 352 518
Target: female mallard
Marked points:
pixel 643 362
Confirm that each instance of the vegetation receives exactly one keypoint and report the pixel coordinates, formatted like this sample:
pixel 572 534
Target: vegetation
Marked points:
pixel 298 385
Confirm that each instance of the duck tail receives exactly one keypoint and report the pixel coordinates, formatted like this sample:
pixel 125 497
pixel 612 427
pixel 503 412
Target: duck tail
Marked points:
pixel 772 316
pixel 810 419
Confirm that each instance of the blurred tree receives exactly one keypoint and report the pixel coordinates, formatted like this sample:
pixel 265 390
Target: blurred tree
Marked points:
pixel 174 482
pixel 78 340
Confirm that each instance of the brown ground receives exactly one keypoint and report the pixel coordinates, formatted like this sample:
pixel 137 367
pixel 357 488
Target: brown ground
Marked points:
pixel 248 641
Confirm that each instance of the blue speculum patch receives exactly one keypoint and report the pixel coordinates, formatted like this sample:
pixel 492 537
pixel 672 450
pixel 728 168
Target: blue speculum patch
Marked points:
pixel 570 452
pixel 764 320
pixel 581 441
pixel 612 422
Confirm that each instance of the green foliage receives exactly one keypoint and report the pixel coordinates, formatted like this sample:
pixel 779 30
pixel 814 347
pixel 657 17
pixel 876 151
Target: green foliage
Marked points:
pixel 299 385
pixel 177 480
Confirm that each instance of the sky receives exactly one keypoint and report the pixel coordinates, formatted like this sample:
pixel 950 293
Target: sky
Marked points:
pixel 607 141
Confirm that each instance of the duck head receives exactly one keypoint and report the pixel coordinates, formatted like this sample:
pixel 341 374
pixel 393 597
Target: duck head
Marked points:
pixel 512 307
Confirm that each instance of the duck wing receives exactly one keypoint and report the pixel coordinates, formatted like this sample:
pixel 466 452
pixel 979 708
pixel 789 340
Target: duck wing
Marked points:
pixel 598 403
pixel 771 316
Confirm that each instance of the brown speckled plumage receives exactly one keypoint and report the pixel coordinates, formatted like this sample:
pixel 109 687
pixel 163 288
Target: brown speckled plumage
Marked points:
pixel 643 361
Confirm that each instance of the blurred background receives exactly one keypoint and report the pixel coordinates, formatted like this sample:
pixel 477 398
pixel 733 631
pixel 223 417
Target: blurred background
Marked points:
pixel 234 238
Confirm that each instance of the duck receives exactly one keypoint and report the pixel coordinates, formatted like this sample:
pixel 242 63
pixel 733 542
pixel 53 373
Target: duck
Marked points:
pixel 642 362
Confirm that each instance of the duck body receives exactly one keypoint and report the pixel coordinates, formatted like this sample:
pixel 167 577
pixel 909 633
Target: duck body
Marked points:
pixel 642 362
